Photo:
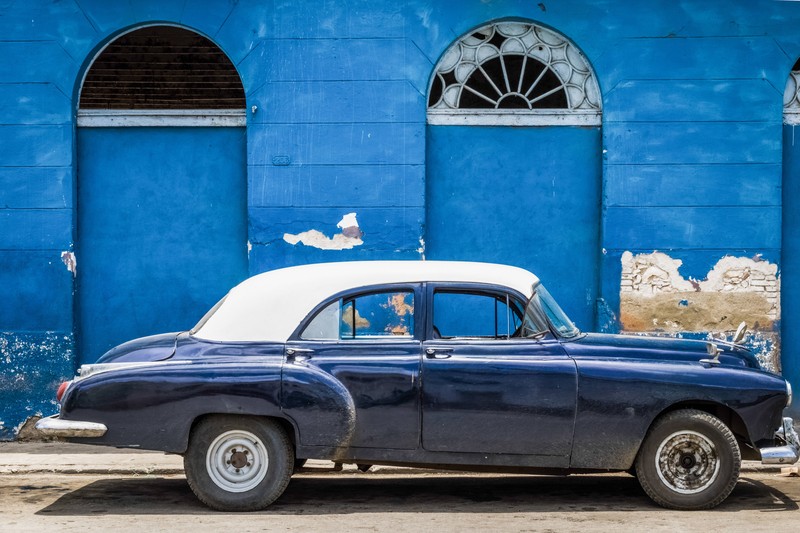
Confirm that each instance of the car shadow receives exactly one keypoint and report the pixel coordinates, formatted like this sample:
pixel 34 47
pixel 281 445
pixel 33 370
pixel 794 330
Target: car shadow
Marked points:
pixel 346 494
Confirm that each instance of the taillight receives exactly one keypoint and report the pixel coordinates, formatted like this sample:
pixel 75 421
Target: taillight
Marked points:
pixel 61 389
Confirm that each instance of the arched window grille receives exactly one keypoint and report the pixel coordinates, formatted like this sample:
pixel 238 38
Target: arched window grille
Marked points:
pixel 161 76
pixel 791 97
pixel 514 73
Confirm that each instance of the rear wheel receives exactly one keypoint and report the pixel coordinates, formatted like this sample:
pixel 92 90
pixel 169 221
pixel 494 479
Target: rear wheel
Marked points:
pixel 689 460
pixel 238 463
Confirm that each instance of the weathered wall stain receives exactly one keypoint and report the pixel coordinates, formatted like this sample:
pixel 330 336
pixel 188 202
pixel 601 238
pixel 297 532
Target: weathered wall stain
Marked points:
pixel 32 365
pixel 349 237
pixel 70 261
pixel 656 298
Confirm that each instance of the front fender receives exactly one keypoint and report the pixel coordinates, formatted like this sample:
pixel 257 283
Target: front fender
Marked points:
pixel 618 400
pixel 320 406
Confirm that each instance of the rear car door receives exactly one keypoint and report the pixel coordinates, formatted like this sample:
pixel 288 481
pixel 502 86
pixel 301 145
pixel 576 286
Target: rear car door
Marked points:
pixel 486 389
pixel 369 341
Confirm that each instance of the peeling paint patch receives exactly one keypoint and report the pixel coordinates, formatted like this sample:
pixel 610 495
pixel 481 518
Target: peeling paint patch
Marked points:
pixel 654 296
pixel 71 262
pixel 349 237
pixel 32 365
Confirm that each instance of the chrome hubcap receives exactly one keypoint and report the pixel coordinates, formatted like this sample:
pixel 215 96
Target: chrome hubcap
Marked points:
pixel 687 462
pixel 237 461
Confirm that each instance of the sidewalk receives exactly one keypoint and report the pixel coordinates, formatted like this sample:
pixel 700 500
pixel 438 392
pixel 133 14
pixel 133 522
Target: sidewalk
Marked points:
pixel 66 458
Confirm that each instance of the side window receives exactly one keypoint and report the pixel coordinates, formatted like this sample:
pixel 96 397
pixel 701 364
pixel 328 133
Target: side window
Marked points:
pixel 476 315
pixel 367 316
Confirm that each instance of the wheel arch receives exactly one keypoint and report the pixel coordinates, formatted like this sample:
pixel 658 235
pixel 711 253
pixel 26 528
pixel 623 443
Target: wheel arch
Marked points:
pixel 284 423
pixel 727 415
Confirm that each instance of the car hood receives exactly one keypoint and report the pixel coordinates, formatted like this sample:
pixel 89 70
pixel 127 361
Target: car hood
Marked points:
pixel 144 349
pixel 659 348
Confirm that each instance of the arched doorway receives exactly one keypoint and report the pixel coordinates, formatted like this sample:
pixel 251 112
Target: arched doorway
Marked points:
pixel 161 188
pixel 513 159
pixel 790 226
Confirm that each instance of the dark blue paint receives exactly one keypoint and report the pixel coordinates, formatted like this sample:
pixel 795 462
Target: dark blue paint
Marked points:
pixel 162 230
pixel 539 210
pixel 500 397
pixel 551 403
pixel 145 349
pixel 381 380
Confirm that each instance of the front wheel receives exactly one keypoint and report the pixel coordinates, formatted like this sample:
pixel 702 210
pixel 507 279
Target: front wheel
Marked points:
pixel 689 460
pixel 238 463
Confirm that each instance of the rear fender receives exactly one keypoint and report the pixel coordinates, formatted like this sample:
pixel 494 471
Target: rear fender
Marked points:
pixel 320 406
pixel 154 407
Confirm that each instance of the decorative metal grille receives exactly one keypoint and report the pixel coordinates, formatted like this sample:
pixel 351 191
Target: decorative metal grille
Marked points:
pixel 513 73
pixel 791 97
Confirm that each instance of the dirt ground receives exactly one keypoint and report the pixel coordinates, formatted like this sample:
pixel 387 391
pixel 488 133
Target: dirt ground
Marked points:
pixel 353 502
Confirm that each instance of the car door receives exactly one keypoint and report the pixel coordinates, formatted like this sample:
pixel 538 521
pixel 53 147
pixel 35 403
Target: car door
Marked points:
pixel 487 389
pixel 369 341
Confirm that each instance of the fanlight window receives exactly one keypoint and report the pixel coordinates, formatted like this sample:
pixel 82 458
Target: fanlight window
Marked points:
pixel 513 73
pixel 791 97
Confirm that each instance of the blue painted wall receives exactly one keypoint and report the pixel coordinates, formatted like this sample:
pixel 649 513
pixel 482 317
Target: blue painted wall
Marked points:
pixel 527 197
pixel 162 230
pixel 691 161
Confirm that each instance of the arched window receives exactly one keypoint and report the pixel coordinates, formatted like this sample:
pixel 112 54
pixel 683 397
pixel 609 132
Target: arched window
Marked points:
pixel 493 193
pixel 161 76
pixel 513 73
pixel 791 97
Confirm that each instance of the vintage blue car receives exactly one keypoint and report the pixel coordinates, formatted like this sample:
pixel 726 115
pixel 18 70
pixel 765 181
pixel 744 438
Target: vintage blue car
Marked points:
pixel 453 365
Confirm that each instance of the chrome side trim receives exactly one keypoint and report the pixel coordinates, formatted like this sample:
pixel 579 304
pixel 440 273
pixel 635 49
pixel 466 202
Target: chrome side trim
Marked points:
pixel 787 454
pixel 56 427
pixel 96 368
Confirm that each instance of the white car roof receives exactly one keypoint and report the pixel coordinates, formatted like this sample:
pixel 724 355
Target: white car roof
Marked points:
pixel 268 307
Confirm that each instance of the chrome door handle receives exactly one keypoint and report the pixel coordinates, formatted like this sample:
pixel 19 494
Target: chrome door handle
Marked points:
pixel 295 351
pixel 438 352
pixel 298 355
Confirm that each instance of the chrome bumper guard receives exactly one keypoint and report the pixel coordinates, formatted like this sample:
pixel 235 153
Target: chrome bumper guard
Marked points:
pixel 787 454
pixel 55 427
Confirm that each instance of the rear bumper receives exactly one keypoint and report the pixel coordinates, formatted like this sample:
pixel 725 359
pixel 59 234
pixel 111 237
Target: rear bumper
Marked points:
pixel 786 454
pixel 55 427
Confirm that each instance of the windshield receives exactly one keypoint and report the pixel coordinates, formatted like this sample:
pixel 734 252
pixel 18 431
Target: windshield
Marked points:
pixel 543 303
